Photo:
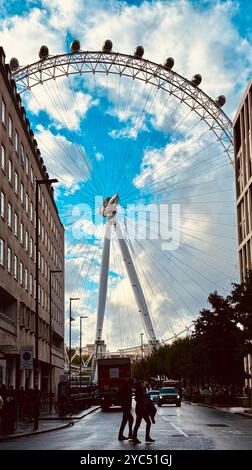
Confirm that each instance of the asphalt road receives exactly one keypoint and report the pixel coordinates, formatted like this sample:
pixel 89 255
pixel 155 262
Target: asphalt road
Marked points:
pixel 190 427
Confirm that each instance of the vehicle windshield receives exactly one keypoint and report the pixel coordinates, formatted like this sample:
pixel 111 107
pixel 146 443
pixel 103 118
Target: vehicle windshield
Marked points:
pixel 153 392
pixel 168 390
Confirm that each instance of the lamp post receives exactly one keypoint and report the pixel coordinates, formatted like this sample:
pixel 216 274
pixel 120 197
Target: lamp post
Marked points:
pixel 81 345
pixel 46 182
pixel 142 353
pixel 53 271
pixel 70 339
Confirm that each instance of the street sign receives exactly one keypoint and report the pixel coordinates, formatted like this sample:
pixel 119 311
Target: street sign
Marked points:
pixel 26 358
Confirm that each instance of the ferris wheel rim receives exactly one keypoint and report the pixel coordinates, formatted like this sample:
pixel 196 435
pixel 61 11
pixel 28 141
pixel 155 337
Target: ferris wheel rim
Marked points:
pixel 211 110
pixel 59 65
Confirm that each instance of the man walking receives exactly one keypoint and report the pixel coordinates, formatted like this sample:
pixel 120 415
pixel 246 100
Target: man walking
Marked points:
pixel 125 394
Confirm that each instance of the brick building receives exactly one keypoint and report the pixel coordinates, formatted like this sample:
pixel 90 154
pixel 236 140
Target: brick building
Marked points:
pixel 20 166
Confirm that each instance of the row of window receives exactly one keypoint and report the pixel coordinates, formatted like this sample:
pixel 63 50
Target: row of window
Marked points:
pixel 26 279
pixel 14 137
pixel 12 220
pixel 13 178
pixel 43 265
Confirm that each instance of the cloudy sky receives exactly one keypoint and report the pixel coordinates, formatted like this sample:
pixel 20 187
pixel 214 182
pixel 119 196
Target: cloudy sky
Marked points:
pixel 105 134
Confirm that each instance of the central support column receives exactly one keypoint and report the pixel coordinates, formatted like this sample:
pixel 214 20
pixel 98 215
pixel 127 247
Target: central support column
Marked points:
pixel 103 286
pixel 136 286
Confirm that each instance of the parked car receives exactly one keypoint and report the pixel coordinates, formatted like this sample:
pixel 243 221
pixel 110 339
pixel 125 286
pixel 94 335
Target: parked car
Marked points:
pixel 169 396
pixel 153 394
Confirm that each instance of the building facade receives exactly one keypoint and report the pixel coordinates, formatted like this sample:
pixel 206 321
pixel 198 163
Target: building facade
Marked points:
pixel 243 169
pixel 20 166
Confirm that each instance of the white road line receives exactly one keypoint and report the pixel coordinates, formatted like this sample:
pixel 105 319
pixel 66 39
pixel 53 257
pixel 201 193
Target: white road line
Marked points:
pixel 174 426
pixel 178 429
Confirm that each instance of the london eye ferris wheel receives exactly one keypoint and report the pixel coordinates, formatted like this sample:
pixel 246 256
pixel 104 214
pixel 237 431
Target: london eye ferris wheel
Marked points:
pixel 155 152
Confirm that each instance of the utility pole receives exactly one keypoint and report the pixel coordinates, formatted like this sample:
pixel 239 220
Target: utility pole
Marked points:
pixel 81 346
pixel 70 340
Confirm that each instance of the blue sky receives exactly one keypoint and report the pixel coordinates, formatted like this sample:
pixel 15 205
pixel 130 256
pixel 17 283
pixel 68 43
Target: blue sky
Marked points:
pixel 100 136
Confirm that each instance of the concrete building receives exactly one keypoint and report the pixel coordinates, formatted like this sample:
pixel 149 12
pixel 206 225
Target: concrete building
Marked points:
pixel 20 166
pixel 243 169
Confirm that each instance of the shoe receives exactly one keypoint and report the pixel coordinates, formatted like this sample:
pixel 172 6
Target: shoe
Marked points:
pixel 149 439
pixel 130 436
pixel 135 440
pixel 122 438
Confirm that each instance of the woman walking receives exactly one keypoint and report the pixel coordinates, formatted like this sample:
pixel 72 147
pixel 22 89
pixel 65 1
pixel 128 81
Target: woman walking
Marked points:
pixel 142 412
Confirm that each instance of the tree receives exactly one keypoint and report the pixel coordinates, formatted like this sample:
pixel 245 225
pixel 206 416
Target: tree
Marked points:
pixel 219 342
pixel 241 299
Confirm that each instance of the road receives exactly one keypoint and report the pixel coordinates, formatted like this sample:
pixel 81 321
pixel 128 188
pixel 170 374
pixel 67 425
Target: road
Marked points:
pixel 190 427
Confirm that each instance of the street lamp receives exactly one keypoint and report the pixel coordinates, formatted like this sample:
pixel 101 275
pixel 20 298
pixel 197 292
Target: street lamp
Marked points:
pixel 70 339
pixel 81 346
pixel 142 351
pixel 53 271
pixel 46 182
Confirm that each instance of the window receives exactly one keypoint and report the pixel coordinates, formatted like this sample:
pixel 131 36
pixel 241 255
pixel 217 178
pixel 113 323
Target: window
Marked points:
pixel 32 176
pixel 16 182
pixel 9 260
pixel 3 112
pixel 15 267
pixel 16 142
pixel 16 224
pixel 2 205
pixel 26 279
pixel 31 247
pixel 22 154
pixel 9 214
pixel 21 233
pixel 3 157
pixel 27 203
pixel 10 171
pixel 43 201
pixel 21 273
pixel 1 252
pixel 31 284
pixel 10 128
pixel 22 193
pixel 27 165
pixel 31 211
pixel 26 240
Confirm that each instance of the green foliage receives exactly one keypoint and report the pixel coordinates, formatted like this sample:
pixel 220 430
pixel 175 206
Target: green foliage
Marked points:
pixel 215 349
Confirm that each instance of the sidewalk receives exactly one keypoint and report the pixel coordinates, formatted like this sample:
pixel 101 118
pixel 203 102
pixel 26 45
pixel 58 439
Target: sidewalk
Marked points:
pixel 47 423
pixel 239 410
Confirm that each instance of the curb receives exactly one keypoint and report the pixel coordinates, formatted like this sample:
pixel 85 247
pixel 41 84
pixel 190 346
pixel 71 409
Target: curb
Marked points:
pixel 33 433
pixel 43 431
pixel 67 418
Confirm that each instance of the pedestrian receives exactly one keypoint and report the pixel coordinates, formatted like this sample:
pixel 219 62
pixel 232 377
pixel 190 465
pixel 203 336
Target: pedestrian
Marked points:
pixel 142 412
pixel 125 398
pixel 9 412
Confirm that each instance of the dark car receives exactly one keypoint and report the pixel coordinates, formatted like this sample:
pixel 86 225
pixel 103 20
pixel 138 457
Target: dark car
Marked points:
pixel 153 394
pixel 169 396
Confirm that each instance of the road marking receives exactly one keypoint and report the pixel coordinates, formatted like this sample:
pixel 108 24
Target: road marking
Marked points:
pixel 174 426
pixel 178 429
